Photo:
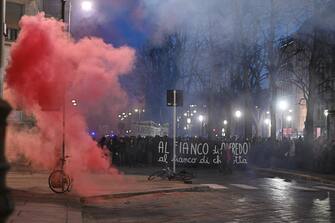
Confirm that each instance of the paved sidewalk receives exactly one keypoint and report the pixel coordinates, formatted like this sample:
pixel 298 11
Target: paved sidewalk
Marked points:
pixel 34 201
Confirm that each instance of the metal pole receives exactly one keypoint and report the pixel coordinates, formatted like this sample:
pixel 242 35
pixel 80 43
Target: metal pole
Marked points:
pixel 69 19
pixel 63 137
pixel 63 10
pixel 64 101
pixel 282 126
pixel 2 40
pixel 174 128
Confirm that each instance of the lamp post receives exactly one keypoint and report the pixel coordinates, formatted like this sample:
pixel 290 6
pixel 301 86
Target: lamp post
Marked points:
pixel 267 122
pixel 86 6
pixel 238 115
pixel 201 120
pixel 282 105
pixel 289 120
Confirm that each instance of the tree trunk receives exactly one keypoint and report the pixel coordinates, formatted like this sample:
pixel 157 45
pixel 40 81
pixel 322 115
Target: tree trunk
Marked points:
pixel 309 122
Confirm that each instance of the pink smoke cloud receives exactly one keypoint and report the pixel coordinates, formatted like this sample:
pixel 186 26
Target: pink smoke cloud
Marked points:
pixel 46 68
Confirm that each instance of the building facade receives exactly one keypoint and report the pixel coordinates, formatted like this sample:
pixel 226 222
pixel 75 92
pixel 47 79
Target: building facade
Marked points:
pixel 15 9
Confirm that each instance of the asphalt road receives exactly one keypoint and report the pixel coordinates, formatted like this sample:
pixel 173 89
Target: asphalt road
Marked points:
pixel 240 197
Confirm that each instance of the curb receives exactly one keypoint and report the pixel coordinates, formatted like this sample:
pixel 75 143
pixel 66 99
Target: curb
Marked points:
pixel 302 176
pixel 198 188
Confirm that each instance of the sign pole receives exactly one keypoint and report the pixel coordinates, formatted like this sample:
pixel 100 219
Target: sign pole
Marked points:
pixel 174 128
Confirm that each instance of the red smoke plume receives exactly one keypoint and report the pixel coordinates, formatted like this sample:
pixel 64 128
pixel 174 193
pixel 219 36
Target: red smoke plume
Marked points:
pixel 46 68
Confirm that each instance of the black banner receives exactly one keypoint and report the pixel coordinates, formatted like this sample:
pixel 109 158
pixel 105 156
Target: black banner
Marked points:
pixel 209 154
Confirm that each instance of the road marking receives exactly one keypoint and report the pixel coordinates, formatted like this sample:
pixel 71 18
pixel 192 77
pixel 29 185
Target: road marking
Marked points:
pixel 325 188
pixel 304 188
pixel 215 186
pixel 243 186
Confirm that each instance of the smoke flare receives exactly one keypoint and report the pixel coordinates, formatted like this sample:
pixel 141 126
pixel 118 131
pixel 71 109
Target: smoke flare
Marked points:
pixel 47 69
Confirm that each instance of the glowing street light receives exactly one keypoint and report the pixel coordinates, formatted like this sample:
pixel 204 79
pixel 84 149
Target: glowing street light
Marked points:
pixel 238 114
pixel 267 121
pixel 282 105
pixel 201 118
pixel 188 121
pixel 86 6
pixel 289 118
pixel 225 122
pixel 325 112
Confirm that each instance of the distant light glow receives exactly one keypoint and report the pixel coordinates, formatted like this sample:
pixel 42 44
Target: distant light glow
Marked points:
pixel 267 121
pixel 225 122
pixel 201 118
pixel 238 114
pixel 325 112
pixel 93 133
pixel 188 121
pixel 289 118
pixel 282 105
pixel 86 6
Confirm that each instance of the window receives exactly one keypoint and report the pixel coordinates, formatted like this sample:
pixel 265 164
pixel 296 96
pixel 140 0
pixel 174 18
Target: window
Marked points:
pixel 14 12
pixel 52 8
pixel 12 34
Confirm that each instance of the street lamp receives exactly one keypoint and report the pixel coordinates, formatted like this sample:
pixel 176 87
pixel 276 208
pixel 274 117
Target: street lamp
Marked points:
pixel 86 6
pixel 225 122
pixel 238 114
pixel 282 105
pixel 201 119
pixel 188 121
pixel 267 122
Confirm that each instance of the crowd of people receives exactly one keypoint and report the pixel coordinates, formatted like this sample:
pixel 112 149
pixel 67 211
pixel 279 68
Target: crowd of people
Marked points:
pixel 318 156
pixel 130 151
pixel 298 154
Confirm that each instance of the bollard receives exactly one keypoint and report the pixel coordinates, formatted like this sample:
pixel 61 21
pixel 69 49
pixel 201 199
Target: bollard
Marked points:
pixel 6 205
